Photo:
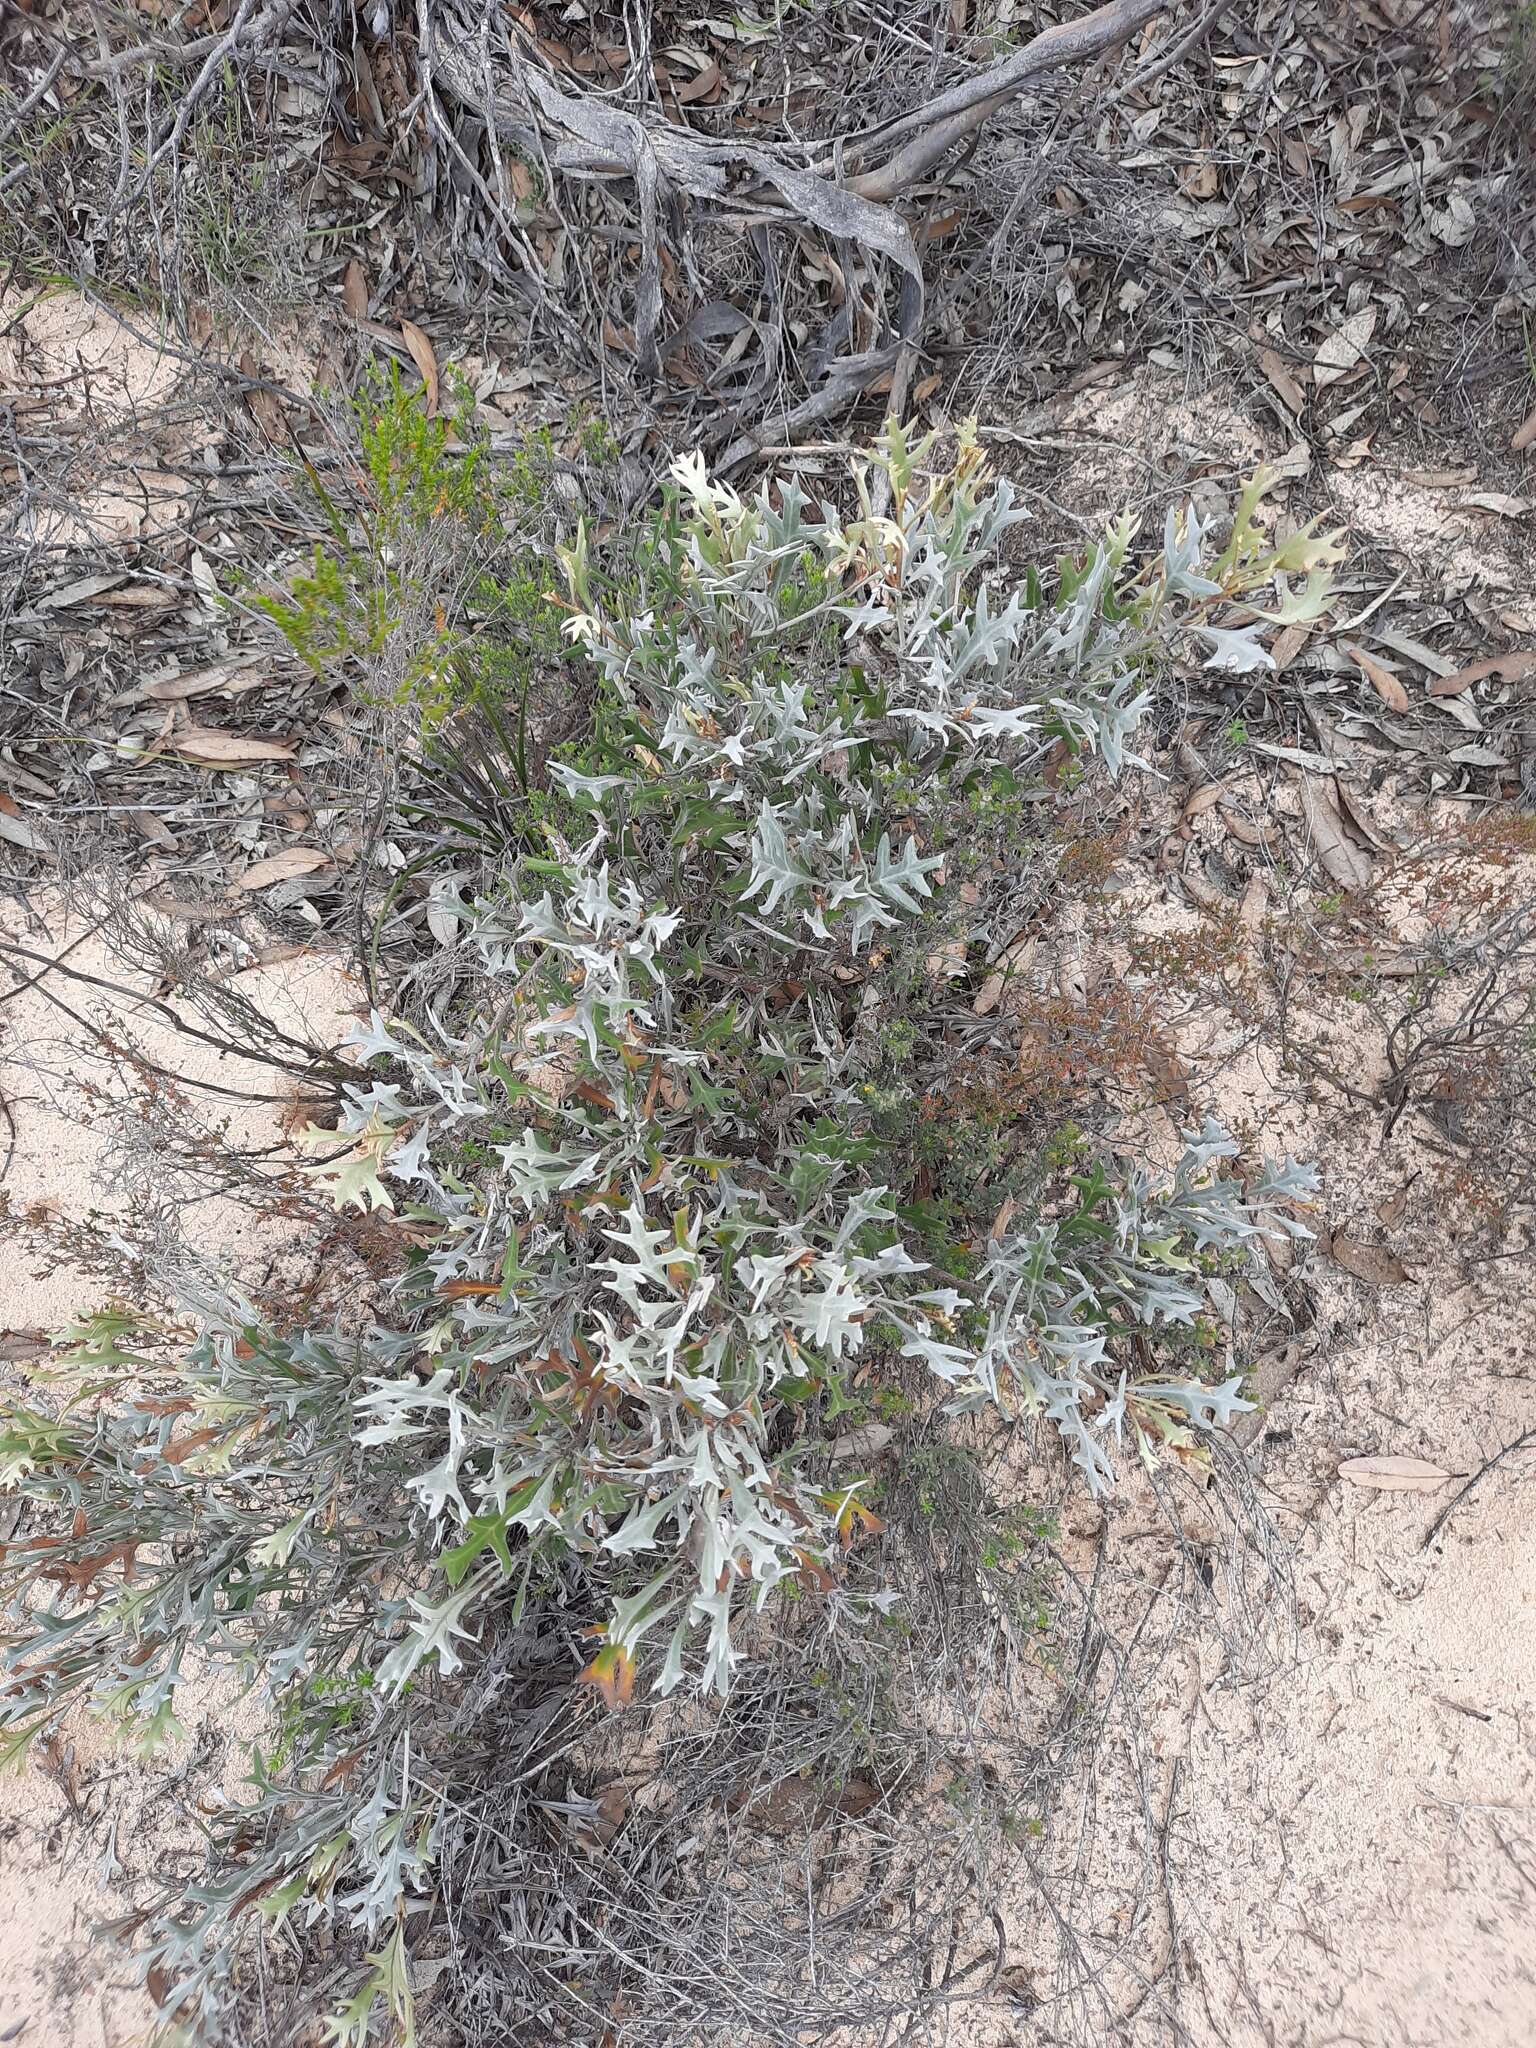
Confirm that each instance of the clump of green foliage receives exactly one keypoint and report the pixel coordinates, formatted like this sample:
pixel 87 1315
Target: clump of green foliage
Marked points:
pixel 436 589
pixel 665 1224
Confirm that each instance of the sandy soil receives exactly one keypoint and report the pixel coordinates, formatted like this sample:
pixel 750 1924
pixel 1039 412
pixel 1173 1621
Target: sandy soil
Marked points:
pixel 1348 1839
pixel 80 1833
pixel 1353 1843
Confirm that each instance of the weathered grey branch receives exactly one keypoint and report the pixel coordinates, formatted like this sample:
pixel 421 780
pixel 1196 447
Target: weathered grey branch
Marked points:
pixel 929 132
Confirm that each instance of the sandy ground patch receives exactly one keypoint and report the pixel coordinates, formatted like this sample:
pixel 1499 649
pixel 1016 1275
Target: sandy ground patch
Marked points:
pixel 82 1830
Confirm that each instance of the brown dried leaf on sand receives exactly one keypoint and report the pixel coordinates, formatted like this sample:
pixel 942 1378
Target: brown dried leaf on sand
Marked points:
pixel 1380 678
pixel 1346 863
pixel 1372 1263
pixel 425 359
pixel 211 748
pixel 286 866
pixel 1514 667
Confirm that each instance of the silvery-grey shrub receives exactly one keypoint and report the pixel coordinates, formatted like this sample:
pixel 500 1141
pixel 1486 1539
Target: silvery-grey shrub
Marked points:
pixel 638 1170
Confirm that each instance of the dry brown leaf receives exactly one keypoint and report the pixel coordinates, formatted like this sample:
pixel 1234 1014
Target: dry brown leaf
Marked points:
pixel 1255 904
pixel 867 1441
pixel 1298 155
pixel 1344 348
pixel 196 682
pixel 1525 435
pixel 155 829
pixel 423 357
pixel 1286 389
pixel 1204 800
pixel 1391 1209
pixel 354 290
pixel 265 407
pixel 1288 644
pixel 1245 832
pixel 1380 678
pixel 275 956
pixel 857 1797
pixel 1514 667
pixel 20 1347
pixel 1394 1475
pixel 281 867
pixel 1344 862
pixel 1358 819
pixel 214 749
pixel 1013 960
pixel 1372 1263
pixel 700 86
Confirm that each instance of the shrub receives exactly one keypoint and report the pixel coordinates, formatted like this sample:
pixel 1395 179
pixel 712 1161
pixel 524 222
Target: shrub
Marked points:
pixel 661 1202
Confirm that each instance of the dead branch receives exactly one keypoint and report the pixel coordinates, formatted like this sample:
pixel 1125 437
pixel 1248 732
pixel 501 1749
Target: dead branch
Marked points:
pixel 929 132
pixel 842 187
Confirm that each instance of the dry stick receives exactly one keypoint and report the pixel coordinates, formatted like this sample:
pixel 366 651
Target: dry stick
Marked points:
pixel 316 1058
pixel 269 22
pixel 114 63
pixel 21 111
pixel 847 381
pixel 906 363
pixel 603 142
pixel 124 133
pixel 1517 1443
pixel 1140 80
pixel 953 115
pixel 27 165
pixel 138 1059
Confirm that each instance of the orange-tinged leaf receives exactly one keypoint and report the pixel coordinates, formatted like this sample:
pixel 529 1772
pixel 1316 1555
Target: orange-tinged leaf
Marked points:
pixel 854 1520
pixel 425 359
pixel 612 1671
pixel 354 290
pixel 1380 678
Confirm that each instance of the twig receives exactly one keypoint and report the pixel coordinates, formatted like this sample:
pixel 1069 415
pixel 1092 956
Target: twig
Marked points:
pixel 1191 39
pixel 943 122
pixel 1517 1443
